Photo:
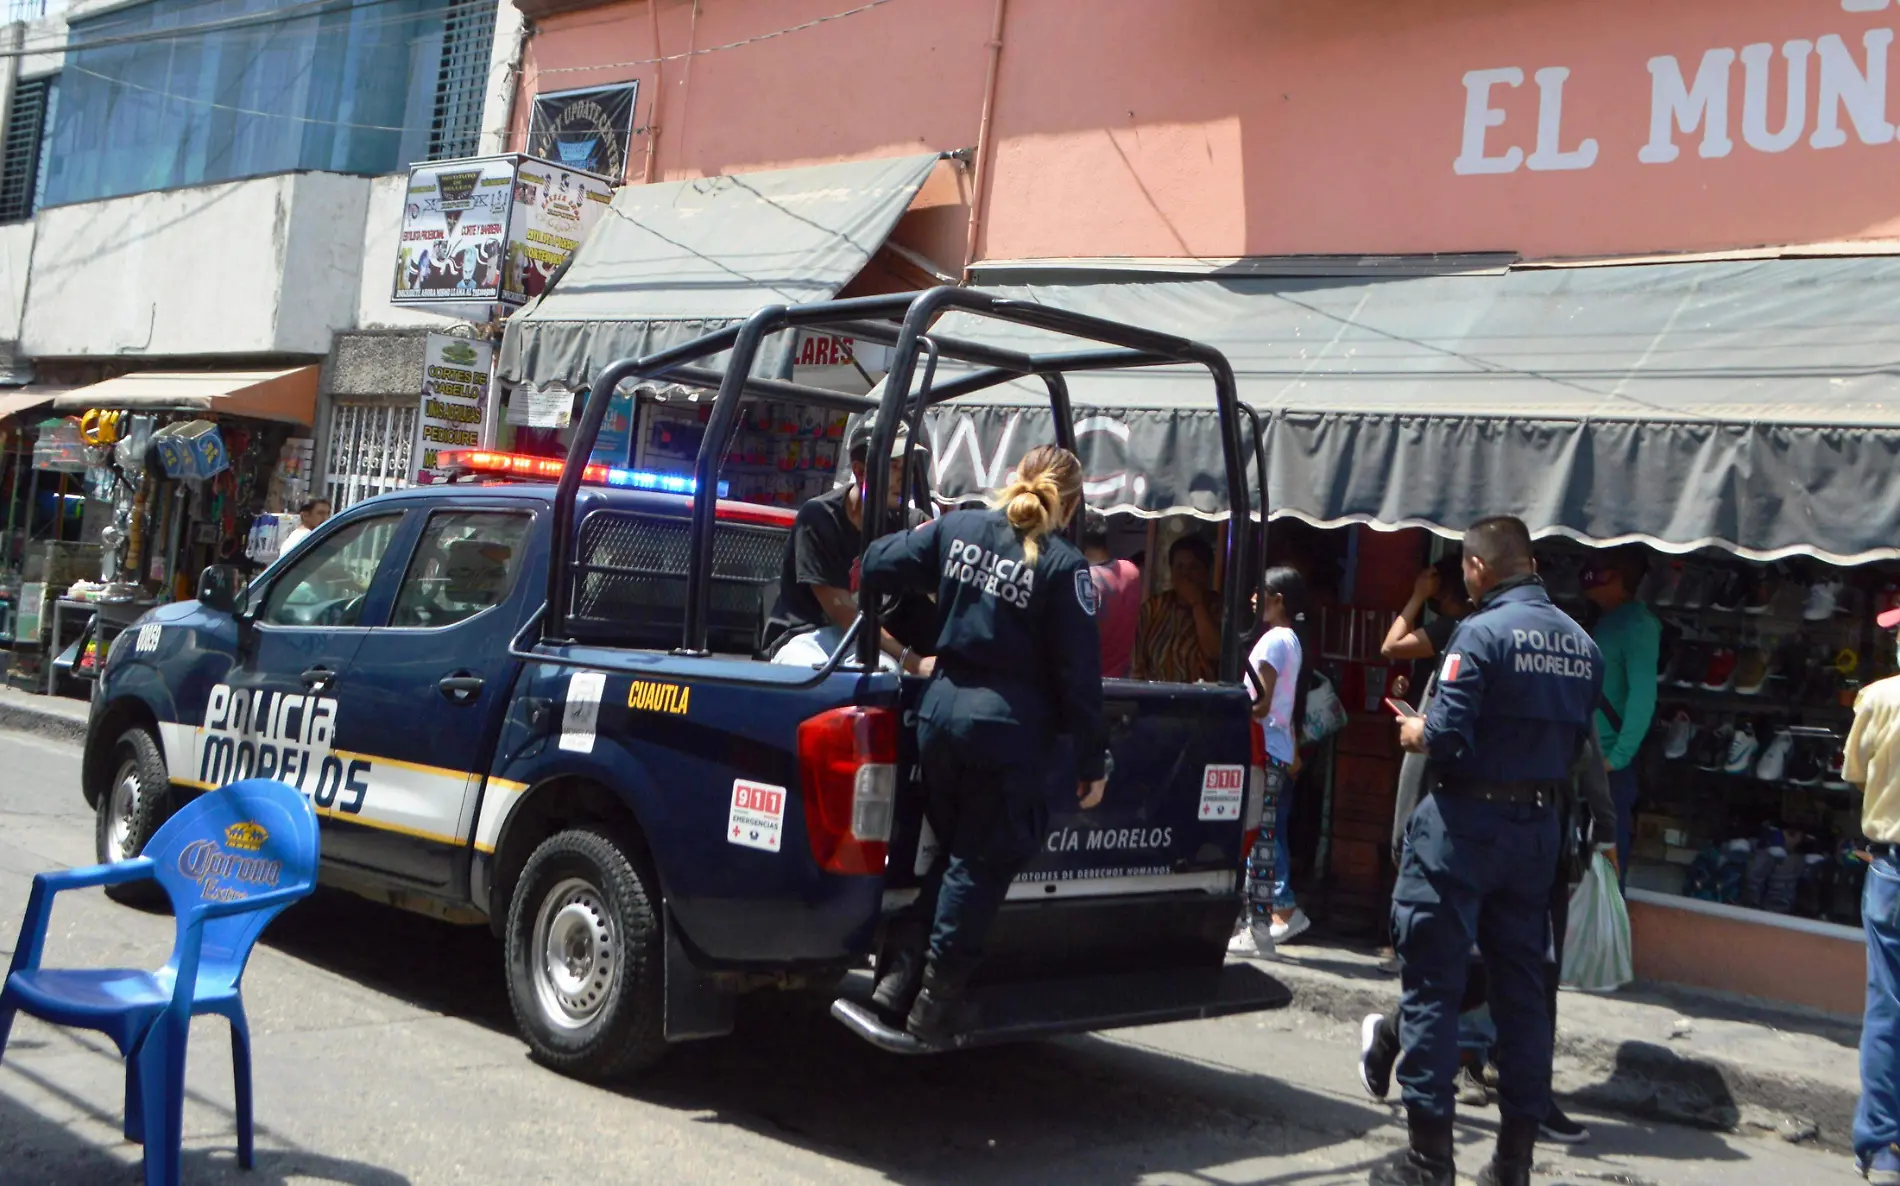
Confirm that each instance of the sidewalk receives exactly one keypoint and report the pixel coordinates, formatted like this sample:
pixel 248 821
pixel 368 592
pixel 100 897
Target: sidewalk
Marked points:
pixel 1651 1050
pixel 60 718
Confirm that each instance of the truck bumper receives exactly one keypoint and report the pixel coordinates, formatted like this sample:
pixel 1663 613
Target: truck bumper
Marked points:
pixel 1023 1011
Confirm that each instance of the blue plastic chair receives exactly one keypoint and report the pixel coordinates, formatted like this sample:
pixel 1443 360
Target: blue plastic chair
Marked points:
pixel 229 860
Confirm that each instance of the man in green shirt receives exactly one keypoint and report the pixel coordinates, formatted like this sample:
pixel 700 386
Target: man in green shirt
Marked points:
pixel 1630 638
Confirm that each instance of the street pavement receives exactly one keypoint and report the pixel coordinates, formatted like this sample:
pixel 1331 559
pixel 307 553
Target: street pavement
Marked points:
pixel 385 1055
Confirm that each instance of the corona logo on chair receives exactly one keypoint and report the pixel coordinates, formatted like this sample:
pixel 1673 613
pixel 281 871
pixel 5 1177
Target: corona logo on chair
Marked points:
pixel 248 836
pixel 213 868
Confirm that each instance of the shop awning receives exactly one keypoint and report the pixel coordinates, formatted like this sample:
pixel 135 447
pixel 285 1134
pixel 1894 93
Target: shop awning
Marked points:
pixel 18 401
pixel 1751 405
pixel 289 395
pixel 672 261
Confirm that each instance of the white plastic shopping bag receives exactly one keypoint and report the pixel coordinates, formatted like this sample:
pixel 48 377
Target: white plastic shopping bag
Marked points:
pixel 1597 943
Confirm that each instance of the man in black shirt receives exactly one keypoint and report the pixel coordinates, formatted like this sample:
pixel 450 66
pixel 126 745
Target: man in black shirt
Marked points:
pixel 816 604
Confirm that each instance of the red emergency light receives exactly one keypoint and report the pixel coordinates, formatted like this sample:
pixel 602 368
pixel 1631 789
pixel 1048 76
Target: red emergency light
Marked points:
pixel 550 469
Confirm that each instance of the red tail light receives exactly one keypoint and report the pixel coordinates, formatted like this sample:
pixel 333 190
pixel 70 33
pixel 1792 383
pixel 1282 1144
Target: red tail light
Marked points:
pixel 1256 786
pixel 847 762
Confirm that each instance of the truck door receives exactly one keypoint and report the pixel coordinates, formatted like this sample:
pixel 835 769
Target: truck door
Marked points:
pixel 427 691
pixel 276 714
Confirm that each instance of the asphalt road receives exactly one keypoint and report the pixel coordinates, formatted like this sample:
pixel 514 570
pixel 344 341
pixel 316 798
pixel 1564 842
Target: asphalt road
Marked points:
pixel 385 1056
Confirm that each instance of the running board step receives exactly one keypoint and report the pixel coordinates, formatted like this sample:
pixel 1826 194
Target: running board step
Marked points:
pixel 1042 1009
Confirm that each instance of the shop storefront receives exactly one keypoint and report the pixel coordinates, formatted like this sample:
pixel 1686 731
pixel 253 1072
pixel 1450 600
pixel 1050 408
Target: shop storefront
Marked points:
pixel 1730 419
pixel 173 472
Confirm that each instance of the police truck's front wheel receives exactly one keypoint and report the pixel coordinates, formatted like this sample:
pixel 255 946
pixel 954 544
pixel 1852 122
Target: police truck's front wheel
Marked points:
pixel 135 800
pixel 586 962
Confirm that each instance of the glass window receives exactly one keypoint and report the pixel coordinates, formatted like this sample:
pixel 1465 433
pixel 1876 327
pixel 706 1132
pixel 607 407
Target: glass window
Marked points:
pixel 466 563
pixel 269 87
pixel 327 586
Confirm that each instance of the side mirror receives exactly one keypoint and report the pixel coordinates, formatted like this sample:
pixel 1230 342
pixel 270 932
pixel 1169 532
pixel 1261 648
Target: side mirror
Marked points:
pixel 220 588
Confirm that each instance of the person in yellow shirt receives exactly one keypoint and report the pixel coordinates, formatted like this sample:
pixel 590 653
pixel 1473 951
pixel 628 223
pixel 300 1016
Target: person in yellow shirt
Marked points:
pixel 1872 763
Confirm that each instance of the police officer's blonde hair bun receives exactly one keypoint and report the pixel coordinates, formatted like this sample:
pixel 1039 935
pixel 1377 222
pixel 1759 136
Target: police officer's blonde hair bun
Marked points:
pixel 1047 478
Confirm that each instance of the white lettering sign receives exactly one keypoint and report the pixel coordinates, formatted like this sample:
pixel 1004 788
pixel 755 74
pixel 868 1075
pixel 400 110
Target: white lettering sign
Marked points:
pixel 1850 88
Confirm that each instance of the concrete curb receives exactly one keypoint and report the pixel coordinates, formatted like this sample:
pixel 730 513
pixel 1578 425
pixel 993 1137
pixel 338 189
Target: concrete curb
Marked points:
pixel 1634 1078
pixel 25 713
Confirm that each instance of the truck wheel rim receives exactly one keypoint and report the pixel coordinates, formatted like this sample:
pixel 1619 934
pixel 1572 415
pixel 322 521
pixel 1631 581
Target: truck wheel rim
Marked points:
pixel 576 957
pixel 122 823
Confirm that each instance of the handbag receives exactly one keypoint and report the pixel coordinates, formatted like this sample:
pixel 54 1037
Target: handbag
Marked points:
pixel 1325 712
pixel 1597 943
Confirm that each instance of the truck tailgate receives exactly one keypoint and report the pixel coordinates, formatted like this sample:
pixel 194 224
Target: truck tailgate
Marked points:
pixel 1150 879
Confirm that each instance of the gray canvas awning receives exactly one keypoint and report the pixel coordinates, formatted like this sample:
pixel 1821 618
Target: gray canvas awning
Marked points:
pixel 1751 405
pixel 669 262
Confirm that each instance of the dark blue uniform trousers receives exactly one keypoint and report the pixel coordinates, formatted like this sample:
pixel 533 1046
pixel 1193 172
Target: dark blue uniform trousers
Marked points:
pixel 1473 871
pixel 983 787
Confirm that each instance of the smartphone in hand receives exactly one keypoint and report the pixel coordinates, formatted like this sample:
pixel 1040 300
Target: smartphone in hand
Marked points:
pixel 1401 709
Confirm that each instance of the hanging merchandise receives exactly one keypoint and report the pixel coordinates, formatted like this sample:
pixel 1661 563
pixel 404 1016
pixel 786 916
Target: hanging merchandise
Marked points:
pixel 191 449
pixel 135 442
pixel 60 447
pixel 100 428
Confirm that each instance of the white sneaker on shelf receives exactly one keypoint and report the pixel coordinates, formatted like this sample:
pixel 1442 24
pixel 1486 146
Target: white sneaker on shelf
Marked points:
pixel 1296 924
pixel 1741 749
pixel 1823 598
pixel 1774 759
pixel 1681 733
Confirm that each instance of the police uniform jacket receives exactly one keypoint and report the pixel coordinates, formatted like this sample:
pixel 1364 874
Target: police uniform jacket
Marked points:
pixel 1515 693
pixel 1016 644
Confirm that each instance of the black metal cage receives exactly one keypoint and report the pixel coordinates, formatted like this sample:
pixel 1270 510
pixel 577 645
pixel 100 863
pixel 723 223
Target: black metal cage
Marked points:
pixel 902 322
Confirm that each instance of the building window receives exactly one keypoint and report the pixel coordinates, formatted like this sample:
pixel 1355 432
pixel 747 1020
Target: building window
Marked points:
pixel 280 87
pixel 20 154
pixel 461 86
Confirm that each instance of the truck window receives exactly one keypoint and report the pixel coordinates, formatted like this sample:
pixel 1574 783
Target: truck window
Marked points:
pixel 466 562
pixel 326 587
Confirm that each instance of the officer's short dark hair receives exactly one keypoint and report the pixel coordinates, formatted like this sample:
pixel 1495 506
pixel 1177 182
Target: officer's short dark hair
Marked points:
pixel 1095 530
pixel 1501 541
pixel 1195 544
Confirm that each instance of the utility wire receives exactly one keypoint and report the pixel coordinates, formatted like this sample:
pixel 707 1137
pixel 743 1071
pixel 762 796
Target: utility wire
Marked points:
pixel 296 12
pixel 713 49
pixel 314 8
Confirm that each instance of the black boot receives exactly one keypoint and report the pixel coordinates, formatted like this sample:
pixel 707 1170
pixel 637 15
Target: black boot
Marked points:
pixel 940 1013
pixel 899 975
pixel 1428 1162
pixel 1517 1148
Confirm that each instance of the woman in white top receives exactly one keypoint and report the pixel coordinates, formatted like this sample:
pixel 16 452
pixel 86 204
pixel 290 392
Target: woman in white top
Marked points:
pixel 1273 914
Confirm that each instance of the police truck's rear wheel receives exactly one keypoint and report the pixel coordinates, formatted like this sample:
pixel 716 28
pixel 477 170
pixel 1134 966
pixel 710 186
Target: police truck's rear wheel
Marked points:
pixel 132 805
pixel 586 963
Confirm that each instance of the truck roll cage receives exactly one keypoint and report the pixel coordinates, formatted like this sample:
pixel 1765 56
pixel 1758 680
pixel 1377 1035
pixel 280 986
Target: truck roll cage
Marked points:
pixel 902 321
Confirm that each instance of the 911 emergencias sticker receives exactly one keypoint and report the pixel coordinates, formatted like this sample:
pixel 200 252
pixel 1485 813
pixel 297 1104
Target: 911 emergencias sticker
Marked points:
pixel 757 816
pixel 1223 788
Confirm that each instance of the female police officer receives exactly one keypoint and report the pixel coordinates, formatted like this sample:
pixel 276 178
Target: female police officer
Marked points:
pixel 1018 661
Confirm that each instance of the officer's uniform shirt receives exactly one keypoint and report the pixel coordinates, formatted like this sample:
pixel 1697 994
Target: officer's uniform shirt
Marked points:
pixel 1014 643
pixel 1516 689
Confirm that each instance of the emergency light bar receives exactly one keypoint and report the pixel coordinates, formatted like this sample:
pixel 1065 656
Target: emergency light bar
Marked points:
pixel 520 465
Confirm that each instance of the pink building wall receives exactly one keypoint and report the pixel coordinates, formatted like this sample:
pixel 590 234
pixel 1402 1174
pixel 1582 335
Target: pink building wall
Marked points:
pixel 1221 128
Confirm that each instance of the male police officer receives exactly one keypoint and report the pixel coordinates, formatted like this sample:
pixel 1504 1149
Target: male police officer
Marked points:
pixel 1516 691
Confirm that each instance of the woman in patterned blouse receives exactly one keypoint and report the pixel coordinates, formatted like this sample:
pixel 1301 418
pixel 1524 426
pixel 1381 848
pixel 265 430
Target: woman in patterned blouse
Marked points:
pixel 1178 639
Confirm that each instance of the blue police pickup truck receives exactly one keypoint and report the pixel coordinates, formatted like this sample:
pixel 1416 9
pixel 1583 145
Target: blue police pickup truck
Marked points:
pixel 544 708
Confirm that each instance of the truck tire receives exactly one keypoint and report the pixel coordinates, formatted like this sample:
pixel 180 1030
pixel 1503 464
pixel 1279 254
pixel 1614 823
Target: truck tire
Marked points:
pixel 135 801
pixel 586 962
